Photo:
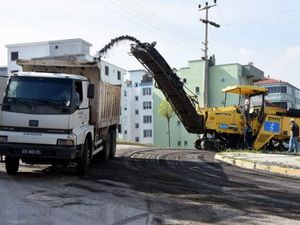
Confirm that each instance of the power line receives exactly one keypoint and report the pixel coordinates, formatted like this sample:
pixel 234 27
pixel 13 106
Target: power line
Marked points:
pixel 162 21
pixel 125 12
pixel 157 24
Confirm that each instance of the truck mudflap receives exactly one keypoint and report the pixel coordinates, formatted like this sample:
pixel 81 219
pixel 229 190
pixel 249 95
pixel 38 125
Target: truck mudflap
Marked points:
pixel 39 151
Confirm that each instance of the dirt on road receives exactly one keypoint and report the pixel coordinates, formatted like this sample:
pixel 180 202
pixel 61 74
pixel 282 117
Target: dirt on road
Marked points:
pixel 145 185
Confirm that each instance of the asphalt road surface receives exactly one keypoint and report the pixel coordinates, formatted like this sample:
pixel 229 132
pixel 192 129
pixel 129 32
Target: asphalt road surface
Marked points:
pixel 149 186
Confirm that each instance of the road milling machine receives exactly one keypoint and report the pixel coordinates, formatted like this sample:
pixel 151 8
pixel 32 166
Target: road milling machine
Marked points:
pixel 217 127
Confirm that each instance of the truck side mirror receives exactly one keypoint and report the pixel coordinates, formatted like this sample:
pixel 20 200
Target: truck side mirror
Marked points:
pixel 91 91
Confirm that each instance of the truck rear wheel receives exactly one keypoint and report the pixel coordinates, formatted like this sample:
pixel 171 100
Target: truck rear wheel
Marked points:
pixel 83 162
pixel 11 164
pixel 113 145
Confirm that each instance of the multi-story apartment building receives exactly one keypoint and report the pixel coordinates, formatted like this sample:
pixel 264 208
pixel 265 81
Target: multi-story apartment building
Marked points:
pixel 69 49
pixel 281 93
pixel 75 47
pixel 137 108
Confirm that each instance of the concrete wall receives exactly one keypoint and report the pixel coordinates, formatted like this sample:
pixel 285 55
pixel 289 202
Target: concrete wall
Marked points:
pixel 68 47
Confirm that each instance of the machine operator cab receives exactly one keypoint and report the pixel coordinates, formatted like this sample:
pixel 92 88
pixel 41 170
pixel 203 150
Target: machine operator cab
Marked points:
pixel 251 101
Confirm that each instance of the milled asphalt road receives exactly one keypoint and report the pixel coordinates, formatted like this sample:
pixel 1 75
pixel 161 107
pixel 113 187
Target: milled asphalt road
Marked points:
pixel 149 186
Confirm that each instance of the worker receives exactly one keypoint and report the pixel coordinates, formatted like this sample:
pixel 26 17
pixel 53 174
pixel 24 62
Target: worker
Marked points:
pixel 248 135
pixel 294 132
pixel 246 108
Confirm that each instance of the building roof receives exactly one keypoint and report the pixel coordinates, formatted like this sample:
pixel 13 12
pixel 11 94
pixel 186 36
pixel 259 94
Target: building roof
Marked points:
pixel 245 89
pixel 48 42
pixel 269 80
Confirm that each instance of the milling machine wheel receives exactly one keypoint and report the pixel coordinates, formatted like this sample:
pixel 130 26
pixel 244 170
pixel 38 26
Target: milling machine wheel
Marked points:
pixel 197 144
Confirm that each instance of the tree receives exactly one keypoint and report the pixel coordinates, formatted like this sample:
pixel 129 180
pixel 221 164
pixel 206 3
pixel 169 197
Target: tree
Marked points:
pixel 165 110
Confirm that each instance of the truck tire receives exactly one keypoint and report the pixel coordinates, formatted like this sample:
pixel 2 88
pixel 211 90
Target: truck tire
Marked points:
pixel 113 145
pixel 105 153
pixel 11 164
pixel 83 162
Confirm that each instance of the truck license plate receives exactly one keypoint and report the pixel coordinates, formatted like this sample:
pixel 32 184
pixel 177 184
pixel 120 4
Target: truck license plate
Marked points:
pixel 31 152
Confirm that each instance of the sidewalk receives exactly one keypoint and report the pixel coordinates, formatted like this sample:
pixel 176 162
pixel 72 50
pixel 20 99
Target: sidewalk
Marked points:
pixel 285 164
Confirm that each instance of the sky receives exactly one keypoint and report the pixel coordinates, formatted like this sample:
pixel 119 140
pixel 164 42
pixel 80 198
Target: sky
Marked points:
pixel 264 32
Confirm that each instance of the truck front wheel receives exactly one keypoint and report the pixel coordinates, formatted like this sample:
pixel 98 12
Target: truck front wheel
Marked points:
pixel 11 164
pixel 83 162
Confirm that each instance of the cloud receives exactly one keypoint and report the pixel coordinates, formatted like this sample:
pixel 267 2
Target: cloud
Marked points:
pixel 284 65
pixel 292 54
pixel 244 52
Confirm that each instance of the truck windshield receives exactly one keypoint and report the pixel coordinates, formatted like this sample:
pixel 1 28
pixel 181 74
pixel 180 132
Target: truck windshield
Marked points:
pixel 37 91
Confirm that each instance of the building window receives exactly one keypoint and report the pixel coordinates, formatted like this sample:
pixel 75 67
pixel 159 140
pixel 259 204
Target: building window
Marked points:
pixel 178 123
pixel 136 98
pixel 136 112
pixel 136 125
pixel 125 93
pixel 137 139
pixel 136 84
pixel 146 91
pixel 14 71
pixel 106 70
pixel 125 131
pixel 178 143
pixel 147 133
pixel 223 80
pixel 119 75
pixel 56 46
pixel 197 89
pixel 277 89
pixel 119 128
pixel 129 84
pixel 184 80
pixel 185 143
pixel 14 56
pixel 147 105
pixel 147 119
pixel 125 108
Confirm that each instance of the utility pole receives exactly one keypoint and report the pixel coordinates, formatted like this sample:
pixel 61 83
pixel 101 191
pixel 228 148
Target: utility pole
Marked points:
pixel 205 43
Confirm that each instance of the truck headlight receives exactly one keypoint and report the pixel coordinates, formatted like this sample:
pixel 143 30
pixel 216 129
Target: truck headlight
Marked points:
pixel 3 138
pixel 65 142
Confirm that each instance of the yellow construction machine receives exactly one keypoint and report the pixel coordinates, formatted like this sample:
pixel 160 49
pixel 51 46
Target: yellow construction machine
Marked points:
pixel 218 127
pixel 224 126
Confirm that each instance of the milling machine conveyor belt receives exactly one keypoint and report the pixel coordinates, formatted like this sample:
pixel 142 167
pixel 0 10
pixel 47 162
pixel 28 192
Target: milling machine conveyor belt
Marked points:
pixel 171 86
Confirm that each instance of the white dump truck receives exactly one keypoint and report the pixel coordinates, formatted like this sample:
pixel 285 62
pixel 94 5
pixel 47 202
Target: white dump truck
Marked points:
pixel 58 112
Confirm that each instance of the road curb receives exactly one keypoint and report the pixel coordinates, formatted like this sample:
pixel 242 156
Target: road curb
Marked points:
pixel 248 164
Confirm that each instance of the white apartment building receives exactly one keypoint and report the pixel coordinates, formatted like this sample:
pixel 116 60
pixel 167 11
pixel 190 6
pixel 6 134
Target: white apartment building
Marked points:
pixel 137 108
pixel 68 49
pixel 281 93
pixel 76 47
